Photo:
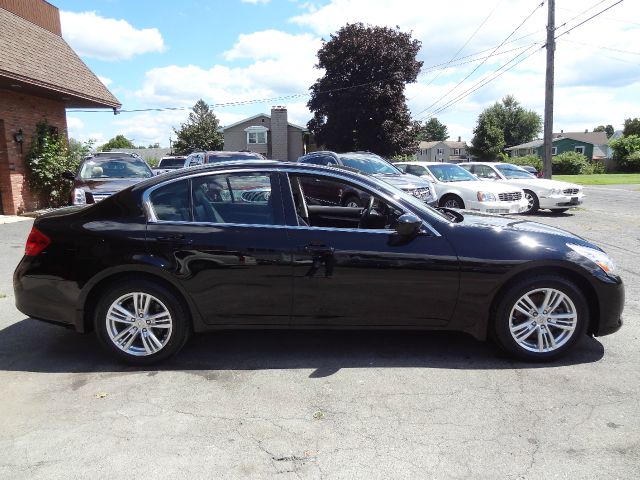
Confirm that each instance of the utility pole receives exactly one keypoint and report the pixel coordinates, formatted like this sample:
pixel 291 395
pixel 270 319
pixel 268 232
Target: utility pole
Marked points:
pixel 548 88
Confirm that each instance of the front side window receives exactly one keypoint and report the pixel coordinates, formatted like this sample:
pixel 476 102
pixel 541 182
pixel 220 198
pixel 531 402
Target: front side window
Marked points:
pixel 240 198
pixel 417 170
pixel 484 171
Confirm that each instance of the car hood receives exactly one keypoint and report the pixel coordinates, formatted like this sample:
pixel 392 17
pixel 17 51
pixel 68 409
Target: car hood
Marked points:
pixel 404 181
pixel 540 183
pixel 514 225
pixel 107 185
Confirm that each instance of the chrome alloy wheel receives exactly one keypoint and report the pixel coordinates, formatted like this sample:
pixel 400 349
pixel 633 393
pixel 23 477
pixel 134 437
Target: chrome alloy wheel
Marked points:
pixel 543 320
pixel 452 203
pixel 139 324
pixel 531 202
pixel 353 204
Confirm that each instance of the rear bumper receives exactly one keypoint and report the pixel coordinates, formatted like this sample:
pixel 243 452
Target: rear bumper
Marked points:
pixel 45 298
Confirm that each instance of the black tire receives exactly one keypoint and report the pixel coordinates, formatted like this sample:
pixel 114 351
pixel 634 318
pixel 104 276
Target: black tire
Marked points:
pixel 173 338
pixel 533 202
pixel 501 330
pixel 354 199
pixel 450 200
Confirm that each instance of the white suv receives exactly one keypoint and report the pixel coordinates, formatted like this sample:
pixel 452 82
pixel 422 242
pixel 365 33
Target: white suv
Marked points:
pixel 540 193
pixel 457 188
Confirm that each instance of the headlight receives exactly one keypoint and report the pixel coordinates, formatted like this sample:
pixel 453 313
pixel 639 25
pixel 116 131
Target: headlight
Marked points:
pixel 78 196
pixel 486 197
pixel 596 256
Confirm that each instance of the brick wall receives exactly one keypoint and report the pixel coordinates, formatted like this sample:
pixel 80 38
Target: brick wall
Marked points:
pixel 39 12
pixel 21 111
pixel 279 134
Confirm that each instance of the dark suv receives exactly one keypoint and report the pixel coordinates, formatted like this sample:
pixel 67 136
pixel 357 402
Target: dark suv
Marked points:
pixel 365 162
pixel 105 173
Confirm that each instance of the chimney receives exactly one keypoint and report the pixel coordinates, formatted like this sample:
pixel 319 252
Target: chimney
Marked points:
pixel 279 133
pixel 459 139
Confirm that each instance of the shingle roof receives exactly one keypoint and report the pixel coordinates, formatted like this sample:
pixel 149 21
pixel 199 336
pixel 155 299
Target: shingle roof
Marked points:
pixel 427 145
pixel 34 56
pixel 532 144
pixel 595 138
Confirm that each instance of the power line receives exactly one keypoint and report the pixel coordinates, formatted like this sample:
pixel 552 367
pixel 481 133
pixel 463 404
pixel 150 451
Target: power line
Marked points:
pixel 602 47
pixel 588 19
pixel 416 117
pixel 463 46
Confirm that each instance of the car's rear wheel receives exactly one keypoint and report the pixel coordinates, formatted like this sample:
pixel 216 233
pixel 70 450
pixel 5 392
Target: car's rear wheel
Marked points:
pixel 541 318
pixel 533 204
pixel 452 201
pixel 141 322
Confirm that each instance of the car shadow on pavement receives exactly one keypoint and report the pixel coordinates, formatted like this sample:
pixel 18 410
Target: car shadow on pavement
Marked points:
pixel 33 346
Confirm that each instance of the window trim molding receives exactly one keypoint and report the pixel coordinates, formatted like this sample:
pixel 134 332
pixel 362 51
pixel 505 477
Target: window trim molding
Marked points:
pixel 256 129
pixel 582 147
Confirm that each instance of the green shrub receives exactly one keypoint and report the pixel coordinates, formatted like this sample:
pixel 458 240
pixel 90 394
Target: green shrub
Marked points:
pixel 403 158
pixel 631 163
pixel 48 158
pixel 598 166
pixel 572 163
pixel 533 160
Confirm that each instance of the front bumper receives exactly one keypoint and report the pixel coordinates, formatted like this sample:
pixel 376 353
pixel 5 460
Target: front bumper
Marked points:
pixel 611 304
pixel 561 201
pixel 500 208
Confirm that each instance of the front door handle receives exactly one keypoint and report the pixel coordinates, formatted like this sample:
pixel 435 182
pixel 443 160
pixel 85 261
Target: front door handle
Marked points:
pixel 318 249
pixel 176 239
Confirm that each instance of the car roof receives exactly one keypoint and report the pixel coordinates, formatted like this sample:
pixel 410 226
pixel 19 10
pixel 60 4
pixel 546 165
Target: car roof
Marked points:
pixel 249 165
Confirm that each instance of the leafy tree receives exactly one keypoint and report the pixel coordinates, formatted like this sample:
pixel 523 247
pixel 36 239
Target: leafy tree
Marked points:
pixel 359 102
pixel 47 160
pixel 488 136
pixel 631 126
pixel 119 141
pixel 608 130
pixel 624 146
pixel 433 130
pixel 516 125
pixel 199 132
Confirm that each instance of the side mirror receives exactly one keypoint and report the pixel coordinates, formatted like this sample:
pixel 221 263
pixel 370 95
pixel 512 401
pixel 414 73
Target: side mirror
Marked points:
pixel 408 225
pixel 68 175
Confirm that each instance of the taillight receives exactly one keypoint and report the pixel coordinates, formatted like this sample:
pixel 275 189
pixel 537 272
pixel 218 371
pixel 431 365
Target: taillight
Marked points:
pixel 36 242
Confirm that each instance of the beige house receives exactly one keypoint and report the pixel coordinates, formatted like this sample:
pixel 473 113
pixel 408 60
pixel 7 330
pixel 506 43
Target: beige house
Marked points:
pixel 447 151
pixel 271 135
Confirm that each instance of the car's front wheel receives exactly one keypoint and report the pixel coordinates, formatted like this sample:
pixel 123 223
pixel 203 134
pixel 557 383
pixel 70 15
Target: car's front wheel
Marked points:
pixel 541 318
pixel 141 322
pixel 452 201
pixel 533 204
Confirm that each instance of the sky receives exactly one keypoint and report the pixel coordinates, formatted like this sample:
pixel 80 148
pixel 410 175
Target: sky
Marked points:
pixel 160 54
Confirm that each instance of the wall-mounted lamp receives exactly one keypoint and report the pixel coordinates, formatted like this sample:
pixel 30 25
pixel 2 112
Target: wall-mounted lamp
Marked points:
pixel 18 137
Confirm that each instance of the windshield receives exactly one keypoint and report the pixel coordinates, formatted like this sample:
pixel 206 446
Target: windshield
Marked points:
pixel 171 162
pixel 233 156
pixel 451 173
pixel 115 168
pixel 369 164
pixel 512 171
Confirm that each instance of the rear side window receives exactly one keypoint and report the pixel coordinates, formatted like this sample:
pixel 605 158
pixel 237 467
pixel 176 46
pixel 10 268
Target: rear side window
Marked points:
pixel 171 202
pixel 241 198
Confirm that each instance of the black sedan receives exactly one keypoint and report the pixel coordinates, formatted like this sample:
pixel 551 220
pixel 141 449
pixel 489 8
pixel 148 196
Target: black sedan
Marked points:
pixel 238 245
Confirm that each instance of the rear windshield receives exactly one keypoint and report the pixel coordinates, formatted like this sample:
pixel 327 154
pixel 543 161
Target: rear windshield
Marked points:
pixel 115 168
pixel 232 157
pixel 171 162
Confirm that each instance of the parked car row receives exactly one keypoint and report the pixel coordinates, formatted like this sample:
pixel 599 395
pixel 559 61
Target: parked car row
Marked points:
pixel 247 245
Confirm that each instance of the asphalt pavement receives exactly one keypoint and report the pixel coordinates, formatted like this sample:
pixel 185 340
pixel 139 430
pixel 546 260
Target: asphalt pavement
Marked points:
pixel 331 405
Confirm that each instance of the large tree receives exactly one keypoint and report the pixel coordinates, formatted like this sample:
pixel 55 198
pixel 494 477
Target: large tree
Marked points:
pixel 515 123
pixel 608 130
pixel 433 131
pixel 631 126
pixel 199 132
pixel 119 141
pixel 359 102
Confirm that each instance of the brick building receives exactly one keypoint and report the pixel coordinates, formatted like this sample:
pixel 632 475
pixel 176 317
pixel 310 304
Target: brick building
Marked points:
pixel 40 76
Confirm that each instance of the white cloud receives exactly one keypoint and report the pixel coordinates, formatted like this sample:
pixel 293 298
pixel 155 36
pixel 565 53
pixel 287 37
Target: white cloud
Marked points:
pixel 103 38
pixel 105 80
pixel 74 126
pixel 255 2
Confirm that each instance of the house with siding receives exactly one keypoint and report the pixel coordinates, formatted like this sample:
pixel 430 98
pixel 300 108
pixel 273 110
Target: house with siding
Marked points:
pixel 271 135
pixel 445 151
pixel 593 145
pixel 40 76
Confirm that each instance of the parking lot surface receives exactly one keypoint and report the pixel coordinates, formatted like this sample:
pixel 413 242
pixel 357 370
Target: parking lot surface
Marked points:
pixel 373 405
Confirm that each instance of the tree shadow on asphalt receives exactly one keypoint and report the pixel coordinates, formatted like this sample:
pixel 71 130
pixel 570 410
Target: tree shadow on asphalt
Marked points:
pixel 33 346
